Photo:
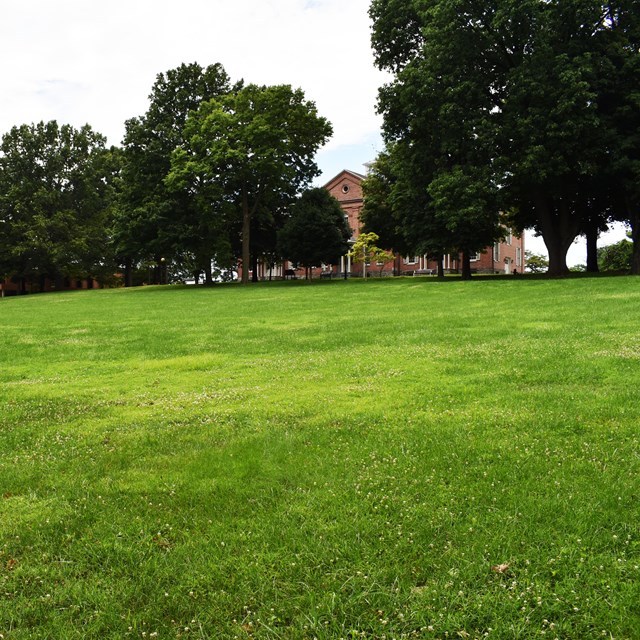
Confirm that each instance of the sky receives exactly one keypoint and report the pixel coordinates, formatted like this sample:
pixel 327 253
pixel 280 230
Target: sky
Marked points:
pixel 78 62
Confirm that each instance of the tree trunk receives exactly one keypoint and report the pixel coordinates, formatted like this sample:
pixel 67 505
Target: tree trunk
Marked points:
pixel 254 268
pixel 246 237
pixel 634 220
pixel 592 248
pixel 208 279
pixel 466 265
pixel 559 229
pixel 128 272
pixel 557 255
pixel 440 267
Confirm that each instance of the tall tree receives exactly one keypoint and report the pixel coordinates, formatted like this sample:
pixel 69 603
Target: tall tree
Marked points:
pixel 437 130
pixel 619 106
pixel 254 149
pixel 155 221
pixel 379 214
pixel 55 202
pixel 317 231
pixel 507 95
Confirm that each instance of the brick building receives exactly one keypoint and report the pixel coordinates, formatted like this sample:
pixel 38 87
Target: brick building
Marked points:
pixel 506 256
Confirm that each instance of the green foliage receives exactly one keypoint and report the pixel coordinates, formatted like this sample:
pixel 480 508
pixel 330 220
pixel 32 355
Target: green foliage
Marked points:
pixel 56 198
pixel 379 215
pixel 155 221
pixel 616 257
pixel 535 262
pixel 317 231
pixel 349 461
pixel 366 251
pixel 523 106
pixel 249 153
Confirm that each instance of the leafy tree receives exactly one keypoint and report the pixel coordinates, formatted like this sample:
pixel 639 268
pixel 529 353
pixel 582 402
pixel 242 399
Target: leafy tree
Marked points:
pixel 437 131
pixel 620 109
pixel 154 220
pixel 398 208
pixel 535 262
pixel 317 231
pixel 56 193
pixel 510 101
pixel 616 257
pixel 250 153
pixel 366 251
pixel 378 214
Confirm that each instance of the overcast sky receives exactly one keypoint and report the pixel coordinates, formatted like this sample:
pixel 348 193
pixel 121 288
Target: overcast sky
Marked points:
pixel 83 61
pixel 79 61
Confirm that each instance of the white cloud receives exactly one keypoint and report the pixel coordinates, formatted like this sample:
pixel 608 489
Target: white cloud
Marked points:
pixel 77 61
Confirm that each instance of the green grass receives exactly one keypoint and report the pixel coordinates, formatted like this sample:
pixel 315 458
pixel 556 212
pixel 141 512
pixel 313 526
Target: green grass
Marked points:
pixel 335 460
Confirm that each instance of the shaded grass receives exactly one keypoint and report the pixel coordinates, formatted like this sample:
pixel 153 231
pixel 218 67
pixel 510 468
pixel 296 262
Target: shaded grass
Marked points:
pixel 338 460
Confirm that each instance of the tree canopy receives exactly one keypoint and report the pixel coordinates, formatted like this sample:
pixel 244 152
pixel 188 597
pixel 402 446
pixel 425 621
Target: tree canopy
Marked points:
pixel 155 221
pixel 317 231
pixel 55 202
pixel 248 154
pixel 524 107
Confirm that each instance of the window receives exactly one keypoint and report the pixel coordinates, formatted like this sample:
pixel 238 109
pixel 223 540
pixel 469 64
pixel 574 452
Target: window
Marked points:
pixel 509 237
pixel 518 256
pixel 496 251
pixel 411 259
pixel 474 257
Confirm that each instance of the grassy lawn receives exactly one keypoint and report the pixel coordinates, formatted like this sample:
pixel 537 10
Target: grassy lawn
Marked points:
pixel 386 459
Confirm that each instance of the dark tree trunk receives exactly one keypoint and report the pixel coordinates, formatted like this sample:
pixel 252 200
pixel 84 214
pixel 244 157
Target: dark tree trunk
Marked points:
pixel 128 272
pixel 592 248
pixel 557 255
pixel 246 237
pixel 208 278
pixel 559 229
pixel 254 268
pixel 466 265
pixel 440 267
pixel 634 220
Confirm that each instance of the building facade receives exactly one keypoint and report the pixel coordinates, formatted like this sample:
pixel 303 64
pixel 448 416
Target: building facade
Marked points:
pixel 506 256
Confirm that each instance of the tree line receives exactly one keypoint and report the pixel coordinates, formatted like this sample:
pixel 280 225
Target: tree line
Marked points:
pixel 211 174
pixel 506 113
pixel 500 114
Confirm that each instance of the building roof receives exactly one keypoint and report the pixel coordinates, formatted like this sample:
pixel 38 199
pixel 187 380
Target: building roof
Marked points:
pixel 358 176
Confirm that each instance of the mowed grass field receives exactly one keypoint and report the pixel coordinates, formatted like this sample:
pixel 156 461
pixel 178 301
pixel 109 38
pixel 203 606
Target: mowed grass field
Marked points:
pixel 386 459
